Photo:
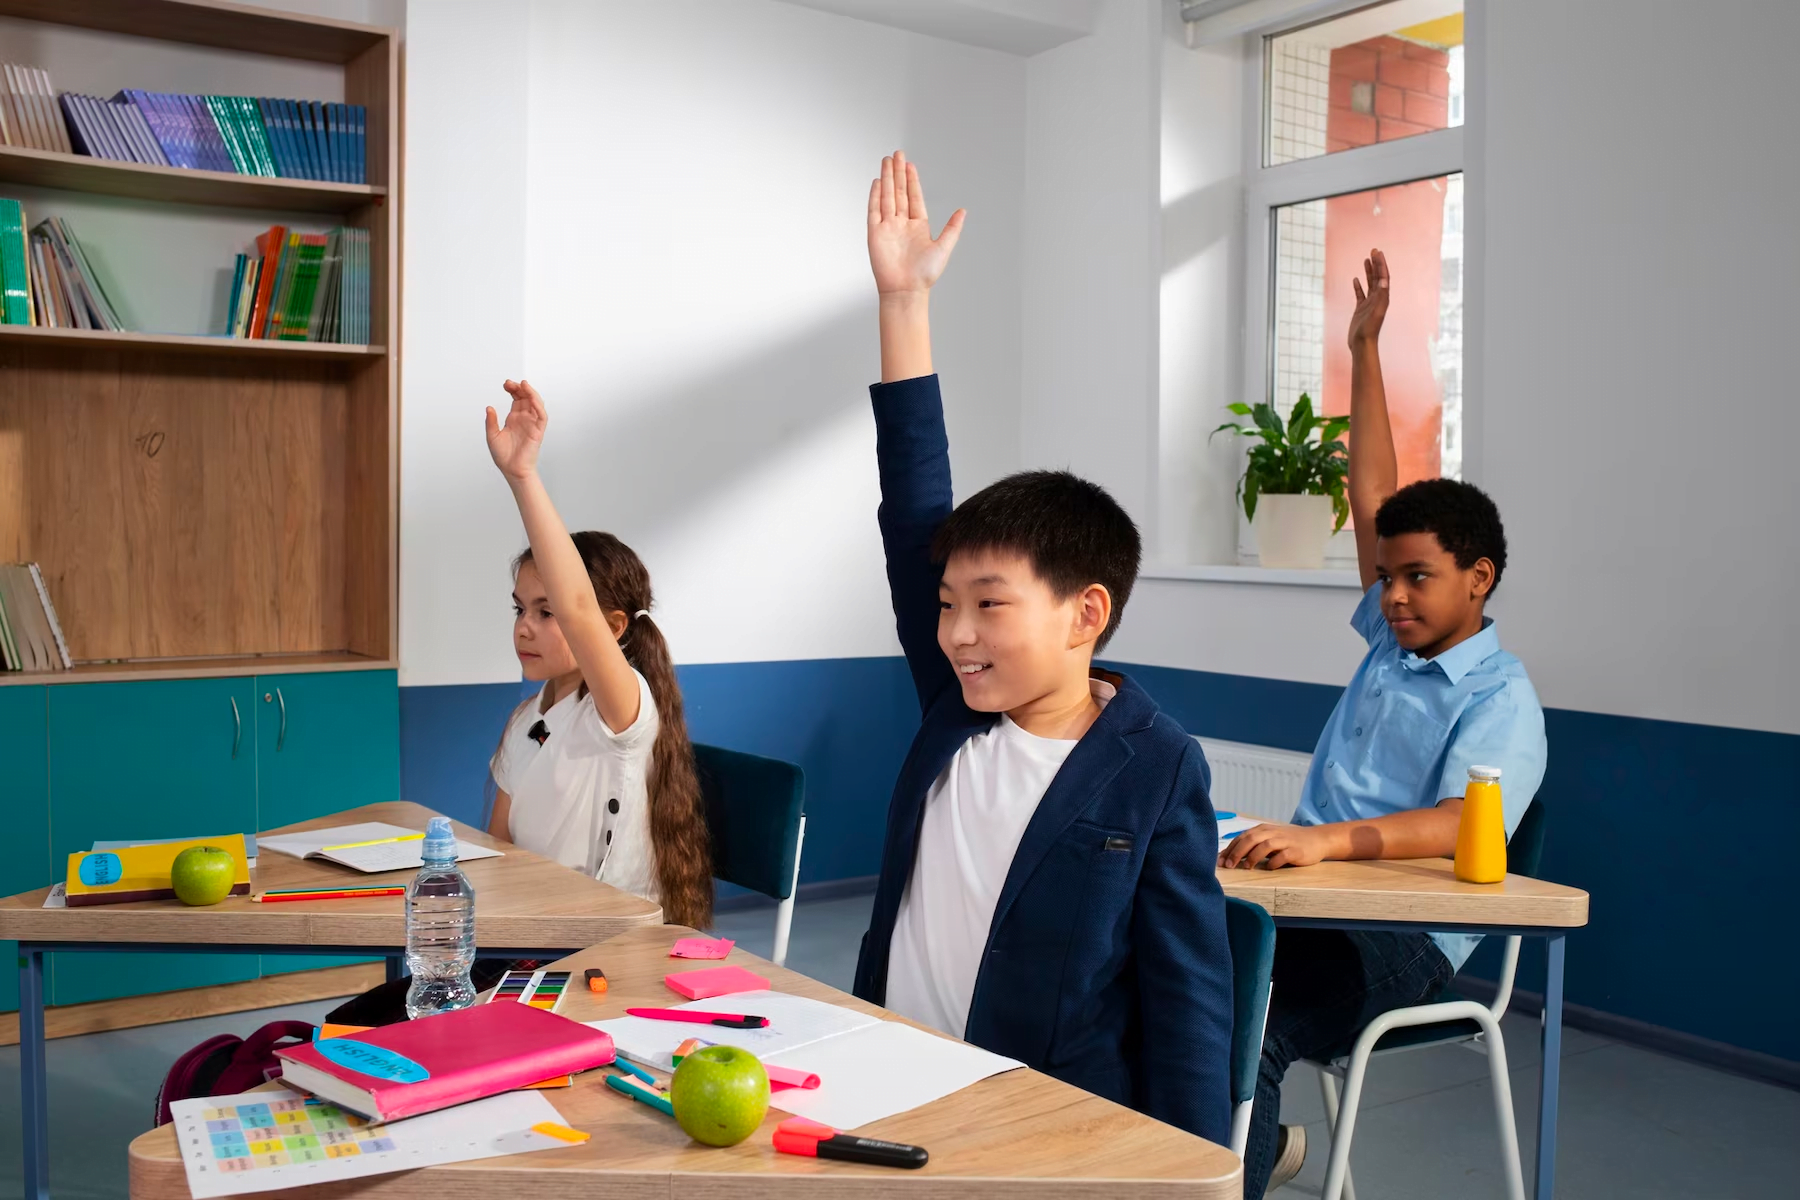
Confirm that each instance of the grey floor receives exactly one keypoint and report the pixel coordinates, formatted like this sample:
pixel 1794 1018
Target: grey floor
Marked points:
pixel 1634 1123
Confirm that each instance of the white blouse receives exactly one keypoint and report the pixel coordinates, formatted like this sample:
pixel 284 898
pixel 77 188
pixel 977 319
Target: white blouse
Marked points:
pixel 582 796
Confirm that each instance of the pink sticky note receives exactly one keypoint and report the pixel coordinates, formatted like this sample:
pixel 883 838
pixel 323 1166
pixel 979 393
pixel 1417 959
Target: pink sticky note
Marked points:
pixel 788 1077
pixel 715 981
pixel 700 947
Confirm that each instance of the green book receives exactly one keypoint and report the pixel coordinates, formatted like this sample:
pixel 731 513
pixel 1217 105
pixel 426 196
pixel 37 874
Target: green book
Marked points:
pixel 255 135
pixel 220 108
pixel 15 275
pixel 284 287
pixel 8 647
pixel 298 318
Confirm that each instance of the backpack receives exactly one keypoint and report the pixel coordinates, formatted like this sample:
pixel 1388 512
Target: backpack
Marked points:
pixel 226 1064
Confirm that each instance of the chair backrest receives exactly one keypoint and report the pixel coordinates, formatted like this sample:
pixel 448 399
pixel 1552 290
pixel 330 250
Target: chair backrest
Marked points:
pixel 753 810
pixel 1526 849
pixel 1251 932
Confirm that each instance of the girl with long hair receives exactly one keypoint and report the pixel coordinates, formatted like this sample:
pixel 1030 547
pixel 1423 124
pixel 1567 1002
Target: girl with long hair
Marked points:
pixel 597 771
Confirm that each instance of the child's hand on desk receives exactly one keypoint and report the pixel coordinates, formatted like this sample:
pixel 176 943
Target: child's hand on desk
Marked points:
pixel 1277 846
pixel 515 445
pixel 902 252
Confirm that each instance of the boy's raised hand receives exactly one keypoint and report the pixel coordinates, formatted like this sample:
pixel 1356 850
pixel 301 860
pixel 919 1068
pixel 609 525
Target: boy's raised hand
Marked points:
pixel 902 252
pixel 515 445
pixel 1371 305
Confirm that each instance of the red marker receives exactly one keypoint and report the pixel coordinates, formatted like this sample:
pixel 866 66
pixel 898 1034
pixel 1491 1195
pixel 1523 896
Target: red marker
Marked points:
pixel 813 1140
pixel 728 1020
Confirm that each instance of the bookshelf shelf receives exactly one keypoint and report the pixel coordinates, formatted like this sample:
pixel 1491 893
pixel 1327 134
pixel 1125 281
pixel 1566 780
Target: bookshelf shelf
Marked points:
pixel 199 668
pixel 252 348
pixel 178 185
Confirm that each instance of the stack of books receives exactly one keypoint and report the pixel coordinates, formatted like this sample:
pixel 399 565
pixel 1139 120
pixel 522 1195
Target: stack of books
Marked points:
pixel 31 638
pixel 48 279
pixel 303 287
pixel 242 135
pixel 28 115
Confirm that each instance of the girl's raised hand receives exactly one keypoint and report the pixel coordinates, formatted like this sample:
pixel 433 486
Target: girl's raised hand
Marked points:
pixel 902 252
pixel 515 444
pixel 1372 305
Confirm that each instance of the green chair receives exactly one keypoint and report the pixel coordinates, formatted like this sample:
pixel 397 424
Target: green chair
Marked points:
pixel 1251 932
pixel 1453 1019
pixel 756 813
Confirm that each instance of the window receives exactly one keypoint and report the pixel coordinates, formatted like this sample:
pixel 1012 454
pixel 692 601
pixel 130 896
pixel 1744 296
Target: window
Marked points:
pixel 1357 143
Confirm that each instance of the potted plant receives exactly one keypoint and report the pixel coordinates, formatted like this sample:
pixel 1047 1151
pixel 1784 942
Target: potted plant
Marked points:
pixel 1293 483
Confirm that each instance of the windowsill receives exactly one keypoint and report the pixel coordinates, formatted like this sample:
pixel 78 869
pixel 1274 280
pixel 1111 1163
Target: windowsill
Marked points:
pixel 1265 575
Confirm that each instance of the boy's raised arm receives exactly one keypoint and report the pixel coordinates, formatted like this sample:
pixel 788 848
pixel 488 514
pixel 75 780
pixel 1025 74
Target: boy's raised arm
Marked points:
pixel 911 446
pixel 1374 473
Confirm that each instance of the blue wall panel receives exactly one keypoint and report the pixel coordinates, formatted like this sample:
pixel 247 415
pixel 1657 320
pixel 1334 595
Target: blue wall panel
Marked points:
pixel 1631 805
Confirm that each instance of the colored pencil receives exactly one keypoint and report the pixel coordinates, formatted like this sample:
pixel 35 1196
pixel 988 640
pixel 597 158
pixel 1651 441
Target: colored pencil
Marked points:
pixel 326 894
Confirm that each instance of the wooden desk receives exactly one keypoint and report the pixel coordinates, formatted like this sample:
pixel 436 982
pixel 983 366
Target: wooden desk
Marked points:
pixel 1021 1134
pixel 1424 895
pixel 1420 891
pixel 527 906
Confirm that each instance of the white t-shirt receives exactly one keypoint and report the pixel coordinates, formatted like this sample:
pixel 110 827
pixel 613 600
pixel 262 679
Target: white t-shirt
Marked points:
pixel 583 797
pixel 975 814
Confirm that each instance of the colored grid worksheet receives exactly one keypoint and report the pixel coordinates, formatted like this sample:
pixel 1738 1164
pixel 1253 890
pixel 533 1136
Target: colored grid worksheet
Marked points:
pixel 262 1141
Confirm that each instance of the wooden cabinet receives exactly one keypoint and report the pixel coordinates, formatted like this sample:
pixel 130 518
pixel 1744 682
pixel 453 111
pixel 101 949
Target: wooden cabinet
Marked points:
pixel 173 758
pixel 324 743
pixel 25 789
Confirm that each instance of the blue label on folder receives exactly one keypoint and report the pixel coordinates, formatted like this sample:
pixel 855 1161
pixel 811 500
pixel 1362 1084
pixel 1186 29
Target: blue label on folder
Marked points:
pixel 371 1060
pixel 98 870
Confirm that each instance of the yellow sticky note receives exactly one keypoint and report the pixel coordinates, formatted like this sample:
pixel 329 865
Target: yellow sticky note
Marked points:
pixel 561 1133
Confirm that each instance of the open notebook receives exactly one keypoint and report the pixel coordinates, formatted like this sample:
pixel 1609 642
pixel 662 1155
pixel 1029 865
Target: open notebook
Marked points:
pixel 369 847
pixel 868 1068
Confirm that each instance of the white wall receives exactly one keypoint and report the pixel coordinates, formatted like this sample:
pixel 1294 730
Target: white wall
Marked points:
pixel 1633 394
pixel 662 226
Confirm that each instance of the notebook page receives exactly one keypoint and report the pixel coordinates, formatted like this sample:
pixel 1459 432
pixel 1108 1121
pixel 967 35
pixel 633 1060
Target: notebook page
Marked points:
pixel 794 1021
pixel 881 1070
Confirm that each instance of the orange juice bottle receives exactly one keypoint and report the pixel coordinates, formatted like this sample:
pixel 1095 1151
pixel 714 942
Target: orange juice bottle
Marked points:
pixel 1481 836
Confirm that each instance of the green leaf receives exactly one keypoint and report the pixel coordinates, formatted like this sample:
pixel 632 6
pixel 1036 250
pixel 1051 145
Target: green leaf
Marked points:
pixel 1240 408
pixel 1341 507
pixel 1250 493
pixel 1301 420
pixel 1232 425
pixel 1269 421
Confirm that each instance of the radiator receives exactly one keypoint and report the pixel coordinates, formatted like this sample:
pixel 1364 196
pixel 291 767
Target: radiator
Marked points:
pixel 1255 781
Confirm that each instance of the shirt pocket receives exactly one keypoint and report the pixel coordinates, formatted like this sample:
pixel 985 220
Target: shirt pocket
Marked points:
pixel 1405 744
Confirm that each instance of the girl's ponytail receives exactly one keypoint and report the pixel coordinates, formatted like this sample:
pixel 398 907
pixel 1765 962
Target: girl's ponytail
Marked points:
pixel 677 812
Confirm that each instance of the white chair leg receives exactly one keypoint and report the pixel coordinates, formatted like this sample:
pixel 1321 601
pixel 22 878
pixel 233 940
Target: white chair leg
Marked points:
pixel 1503 1111
pixel 784 913
pixel 1337 1168
pixel 1328 1090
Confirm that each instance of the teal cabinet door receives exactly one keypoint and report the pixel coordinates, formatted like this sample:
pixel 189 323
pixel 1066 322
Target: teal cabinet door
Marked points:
pixel 325 742
pixel 25 786
pixel 163 758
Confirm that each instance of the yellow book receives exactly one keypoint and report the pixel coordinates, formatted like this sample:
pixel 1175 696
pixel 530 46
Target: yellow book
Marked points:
pixel 142 872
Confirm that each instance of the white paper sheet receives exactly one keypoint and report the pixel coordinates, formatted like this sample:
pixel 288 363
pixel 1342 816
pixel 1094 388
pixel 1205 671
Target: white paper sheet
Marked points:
pixel 794 1021
pixel 387 856
pixel 881 1070
pixel 1232 826
pixel 292 1139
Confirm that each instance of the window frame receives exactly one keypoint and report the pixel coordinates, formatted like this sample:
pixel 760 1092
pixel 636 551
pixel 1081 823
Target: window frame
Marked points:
pixel 1384 164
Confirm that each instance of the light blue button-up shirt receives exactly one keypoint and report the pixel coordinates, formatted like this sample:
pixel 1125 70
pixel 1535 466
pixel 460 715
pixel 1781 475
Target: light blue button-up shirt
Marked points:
pixel 1407 730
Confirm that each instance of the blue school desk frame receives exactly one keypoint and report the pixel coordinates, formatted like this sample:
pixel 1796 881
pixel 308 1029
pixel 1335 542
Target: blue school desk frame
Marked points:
pixel 34 1083
pixel 1550 1077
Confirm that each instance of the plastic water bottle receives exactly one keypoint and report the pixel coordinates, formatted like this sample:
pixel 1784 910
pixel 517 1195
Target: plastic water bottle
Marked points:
pixel 440 928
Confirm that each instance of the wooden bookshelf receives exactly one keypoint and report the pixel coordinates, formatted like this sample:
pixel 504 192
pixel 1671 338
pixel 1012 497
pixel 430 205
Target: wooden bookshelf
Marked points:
pixel 208 506
pixel 178 185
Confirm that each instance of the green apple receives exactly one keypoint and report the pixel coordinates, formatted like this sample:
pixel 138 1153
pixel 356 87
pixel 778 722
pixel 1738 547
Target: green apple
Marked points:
pixel 721 1094
pixel 203 875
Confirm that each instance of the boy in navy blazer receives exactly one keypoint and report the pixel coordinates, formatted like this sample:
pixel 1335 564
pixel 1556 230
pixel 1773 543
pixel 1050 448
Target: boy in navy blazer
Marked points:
pixel 1047 883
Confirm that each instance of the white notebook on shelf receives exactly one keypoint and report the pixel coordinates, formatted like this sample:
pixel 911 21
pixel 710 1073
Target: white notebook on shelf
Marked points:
pixel 370 847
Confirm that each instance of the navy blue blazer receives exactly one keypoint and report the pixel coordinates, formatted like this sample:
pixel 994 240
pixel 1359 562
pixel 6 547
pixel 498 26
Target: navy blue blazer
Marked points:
pixel 1107 964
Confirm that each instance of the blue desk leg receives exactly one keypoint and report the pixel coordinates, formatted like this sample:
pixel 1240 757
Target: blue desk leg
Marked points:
pixel 33 1083
pixel 1552 1074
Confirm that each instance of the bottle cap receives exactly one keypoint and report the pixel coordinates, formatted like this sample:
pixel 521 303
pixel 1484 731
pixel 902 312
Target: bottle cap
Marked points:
pixel 440 841
pixel 1490 774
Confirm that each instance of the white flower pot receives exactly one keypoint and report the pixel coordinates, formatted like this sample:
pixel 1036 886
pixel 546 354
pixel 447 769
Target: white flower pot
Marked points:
pixel 1291 531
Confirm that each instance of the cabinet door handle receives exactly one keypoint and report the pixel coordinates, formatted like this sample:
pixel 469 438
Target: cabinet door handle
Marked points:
pixel 237 727
pixel 281 733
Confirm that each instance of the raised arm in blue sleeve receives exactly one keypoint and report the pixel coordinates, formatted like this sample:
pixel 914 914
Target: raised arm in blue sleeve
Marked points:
pixel 913 452
pixel 1184 966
